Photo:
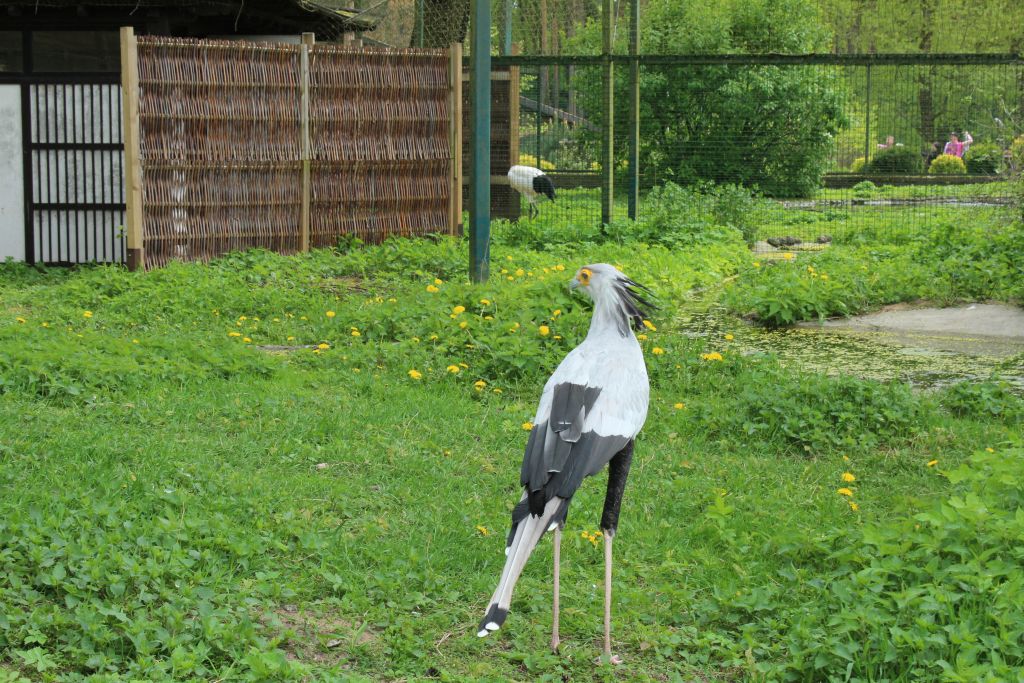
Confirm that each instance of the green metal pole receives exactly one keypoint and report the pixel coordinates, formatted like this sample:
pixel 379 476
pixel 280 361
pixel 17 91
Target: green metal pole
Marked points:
pixel 506 32
pixel 608 104
pixel 480 148
pixel 867 118
pixel 634 107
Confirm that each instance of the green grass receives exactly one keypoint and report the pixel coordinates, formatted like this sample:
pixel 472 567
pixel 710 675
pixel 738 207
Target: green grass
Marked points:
pixel 179 504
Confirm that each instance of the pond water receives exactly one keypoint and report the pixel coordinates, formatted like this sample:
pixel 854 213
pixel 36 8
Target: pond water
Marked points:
pixel 923 360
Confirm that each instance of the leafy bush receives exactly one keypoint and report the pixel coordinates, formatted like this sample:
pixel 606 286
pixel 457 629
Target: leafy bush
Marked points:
pixel 929 597
pixel 898 159
pixel 947 164
pixel 988 400
pixel 858 165
pixel 864 188
pixel 817 412
pixel 1017 153
pixel 530 160
pixel 983 158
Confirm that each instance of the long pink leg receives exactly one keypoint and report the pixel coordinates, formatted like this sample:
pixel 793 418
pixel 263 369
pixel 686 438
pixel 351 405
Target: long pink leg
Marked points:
pixel 557 570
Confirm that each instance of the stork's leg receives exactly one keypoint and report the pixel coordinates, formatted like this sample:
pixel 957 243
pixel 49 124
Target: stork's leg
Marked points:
pixel 557 540
pixel 618 471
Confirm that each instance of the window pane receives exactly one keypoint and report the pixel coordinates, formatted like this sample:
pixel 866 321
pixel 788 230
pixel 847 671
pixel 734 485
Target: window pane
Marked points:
pixel 10 51
pixel 76 51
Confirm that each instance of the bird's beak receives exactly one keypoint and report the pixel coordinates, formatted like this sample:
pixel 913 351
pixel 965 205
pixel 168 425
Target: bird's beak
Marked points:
pixel 574 283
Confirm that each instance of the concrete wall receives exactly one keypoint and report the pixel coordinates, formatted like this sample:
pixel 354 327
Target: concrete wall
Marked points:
pixel 12 205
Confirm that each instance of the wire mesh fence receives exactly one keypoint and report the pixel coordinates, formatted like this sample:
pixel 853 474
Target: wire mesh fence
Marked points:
pixel 825 145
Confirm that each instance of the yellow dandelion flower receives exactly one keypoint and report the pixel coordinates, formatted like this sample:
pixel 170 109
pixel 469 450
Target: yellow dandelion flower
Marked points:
pixel 290 339
pixel 520 272
pixel 932 463
pixel 510 278
pixel 990 450
pixel 854 506
pixel 557 336
pixel 488 317
pixel 544 330
pixel 302 317
pixel 46 324
pixel 86 314
pixel 757 264
pixel 679 406
pixel 432 289
pixel 848 477
pixel 729 337
pixel 464 365
pixel 482 529
pixel 20 320
pixel 323 346
pixel 496 390
pixel 641 337
pixel 392 300
pixel 559 267
pixel 416 374
pixel 846 458
pixel 433 337
pixel 438 281
pixel 657 350
pixel 247 340
pixel 649 325
pixel 844 492
pixel 454 369
pixel 810 269
pixel 459 310
pixel 527 426
pixel 485 302
pixel 356 333
pixel 135 341
pixel 557 312
pixel 504 271
pixel 330 314
pixel 714 355
pixel 463 325
pixel 277 320
pixel 789 256
pixel 479 384
pixel 824 277
pixel 234 334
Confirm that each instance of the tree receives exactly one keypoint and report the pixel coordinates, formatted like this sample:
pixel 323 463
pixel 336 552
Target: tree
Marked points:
pixel 769 126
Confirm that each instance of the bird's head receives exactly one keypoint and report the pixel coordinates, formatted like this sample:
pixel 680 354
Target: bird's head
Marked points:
pixel 609 287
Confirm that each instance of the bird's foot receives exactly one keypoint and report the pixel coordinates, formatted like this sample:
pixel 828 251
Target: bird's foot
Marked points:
pixel 555 642
pixel 608 658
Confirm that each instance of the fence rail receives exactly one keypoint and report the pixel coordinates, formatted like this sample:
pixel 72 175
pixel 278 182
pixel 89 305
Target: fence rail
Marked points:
pixel 284 147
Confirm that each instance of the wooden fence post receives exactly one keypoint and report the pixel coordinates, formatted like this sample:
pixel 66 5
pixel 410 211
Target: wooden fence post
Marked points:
pixel 608 105
pixel 132 149
pixel 455 136
pixel 306 151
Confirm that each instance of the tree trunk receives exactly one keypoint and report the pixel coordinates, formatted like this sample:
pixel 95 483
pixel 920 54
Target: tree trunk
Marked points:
pixel 444 22
pixel 925 77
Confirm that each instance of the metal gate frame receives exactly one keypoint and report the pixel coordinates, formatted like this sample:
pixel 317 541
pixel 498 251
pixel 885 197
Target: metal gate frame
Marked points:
pixel 35 89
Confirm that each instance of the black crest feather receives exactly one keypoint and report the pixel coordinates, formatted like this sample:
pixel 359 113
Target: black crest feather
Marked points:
pixel 635 306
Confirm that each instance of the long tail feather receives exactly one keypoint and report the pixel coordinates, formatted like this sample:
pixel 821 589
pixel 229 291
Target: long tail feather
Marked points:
pixel 524 538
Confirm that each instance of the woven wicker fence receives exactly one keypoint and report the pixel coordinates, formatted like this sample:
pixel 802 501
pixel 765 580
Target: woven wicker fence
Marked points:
pixel 224 132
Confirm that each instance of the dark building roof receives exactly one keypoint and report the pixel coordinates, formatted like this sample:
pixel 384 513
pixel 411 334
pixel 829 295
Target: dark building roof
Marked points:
pixel 202 17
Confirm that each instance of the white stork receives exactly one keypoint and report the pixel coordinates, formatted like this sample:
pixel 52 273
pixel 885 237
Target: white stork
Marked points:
pixel 531 183
pixel 591 410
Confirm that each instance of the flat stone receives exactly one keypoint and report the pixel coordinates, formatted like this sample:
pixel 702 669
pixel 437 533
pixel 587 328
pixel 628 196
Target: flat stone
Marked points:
pixel 974 320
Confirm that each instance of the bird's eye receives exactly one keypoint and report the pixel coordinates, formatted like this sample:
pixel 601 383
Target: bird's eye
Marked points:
pixel 584 276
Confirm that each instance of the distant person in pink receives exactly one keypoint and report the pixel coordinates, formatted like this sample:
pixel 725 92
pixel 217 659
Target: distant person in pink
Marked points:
pixel 955 147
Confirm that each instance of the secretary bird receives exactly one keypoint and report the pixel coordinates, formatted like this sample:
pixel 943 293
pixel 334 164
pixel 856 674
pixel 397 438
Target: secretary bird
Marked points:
pixel 590 412
pixel 531 183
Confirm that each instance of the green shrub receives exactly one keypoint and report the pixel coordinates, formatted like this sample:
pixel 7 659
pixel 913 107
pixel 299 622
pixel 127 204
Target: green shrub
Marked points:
pixel 1017 153
pixel 815 412
pixel 988 400
pixel 864 188
pixel 983 158
pixel 930 597
pixel 895 160
pixel 947 164
pixel 858 165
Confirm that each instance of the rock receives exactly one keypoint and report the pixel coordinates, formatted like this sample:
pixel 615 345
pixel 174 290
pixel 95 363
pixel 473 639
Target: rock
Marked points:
pixel 823 239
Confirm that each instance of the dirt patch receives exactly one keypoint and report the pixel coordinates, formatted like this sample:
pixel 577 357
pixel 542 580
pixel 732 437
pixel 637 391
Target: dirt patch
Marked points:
pixel 342 285
pixel 315 633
